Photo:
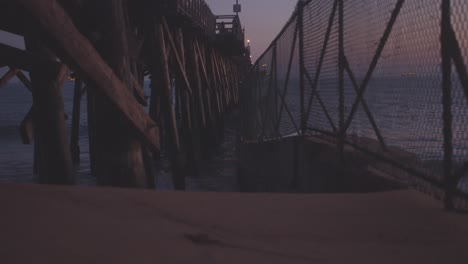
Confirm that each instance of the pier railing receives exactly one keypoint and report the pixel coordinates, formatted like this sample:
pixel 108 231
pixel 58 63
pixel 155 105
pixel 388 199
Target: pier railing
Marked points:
pixel 197 11
pixel 387 78
pixel 230 25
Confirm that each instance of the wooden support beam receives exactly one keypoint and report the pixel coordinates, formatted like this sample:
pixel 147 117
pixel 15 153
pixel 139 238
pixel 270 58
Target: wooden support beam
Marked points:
pixel 198 83
pixel 202 62
pixel 138 92
pixel 226 75
pixel 25 60
pixel 169 112
pixel 27 128
pixel 62 31
pixel 156 85
pixel 120 158
pixel 186 113
pixel 8 76
pixel 205 92
pixel 165 75
pixel 176 54
pixel 222 81
pixel 22 77
pixel 136 72
pixel 236 82
pixel 54 159
pixel 215 81
pixel 27 125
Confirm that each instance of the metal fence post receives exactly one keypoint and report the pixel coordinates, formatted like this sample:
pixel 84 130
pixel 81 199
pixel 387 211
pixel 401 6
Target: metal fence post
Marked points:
pixel 341 66
pixel 303 122
pixel 300 24
pixel 446 39
pixel 275 101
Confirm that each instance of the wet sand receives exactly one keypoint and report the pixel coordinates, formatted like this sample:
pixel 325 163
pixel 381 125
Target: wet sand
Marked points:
pixel 44 224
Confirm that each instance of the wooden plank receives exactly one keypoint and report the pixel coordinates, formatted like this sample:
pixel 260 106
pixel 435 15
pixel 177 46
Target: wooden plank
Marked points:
pixel 62 31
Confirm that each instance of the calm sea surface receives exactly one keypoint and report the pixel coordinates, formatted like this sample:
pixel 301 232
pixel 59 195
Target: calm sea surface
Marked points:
pixel 407 111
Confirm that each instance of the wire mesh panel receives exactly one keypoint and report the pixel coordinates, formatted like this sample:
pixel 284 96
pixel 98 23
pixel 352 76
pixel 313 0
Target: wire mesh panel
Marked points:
pixel 460 92
pixel 270 97
pixel 288 94
pixel 372 78
pixel 321 64
pixel 403 95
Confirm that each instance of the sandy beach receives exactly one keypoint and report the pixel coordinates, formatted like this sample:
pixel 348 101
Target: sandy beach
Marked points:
pixel 46 224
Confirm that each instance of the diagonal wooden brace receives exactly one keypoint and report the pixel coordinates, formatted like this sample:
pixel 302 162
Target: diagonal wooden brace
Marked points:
pixel 63 33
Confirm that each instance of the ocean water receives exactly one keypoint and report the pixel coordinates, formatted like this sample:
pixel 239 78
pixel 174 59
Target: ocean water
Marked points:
pixel 218 172
pixel 407 111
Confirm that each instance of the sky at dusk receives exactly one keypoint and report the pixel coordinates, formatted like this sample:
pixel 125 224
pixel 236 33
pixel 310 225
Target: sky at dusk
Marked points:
pixel 262 19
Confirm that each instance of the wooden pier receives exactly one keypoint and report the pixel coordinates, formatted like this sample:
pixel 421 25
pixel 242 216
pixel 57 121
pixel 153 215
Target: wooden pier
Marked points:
pixel 109 47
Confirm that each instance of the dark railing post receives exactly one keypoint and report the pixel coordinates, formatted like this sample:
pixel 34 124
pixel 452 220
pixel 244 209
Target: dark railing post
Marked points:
pixel 275 101
pixel 300 25
pixel 75 130
pixel 303 121
pixel 447 103
pixel 341 72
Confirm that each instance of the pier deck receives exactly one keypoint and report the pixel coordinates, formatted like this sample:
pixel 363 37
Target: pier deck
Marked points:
pixel 43 224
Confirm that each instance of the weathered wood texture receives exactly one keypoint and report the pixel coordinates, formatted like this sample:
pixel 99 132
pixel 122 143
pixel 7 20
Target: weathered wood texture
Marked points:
pixel 62 31
pixel 112 45
pixel 167 100
pixel 119 152
pixel 26 60
pixel 54 160
pixel 8 76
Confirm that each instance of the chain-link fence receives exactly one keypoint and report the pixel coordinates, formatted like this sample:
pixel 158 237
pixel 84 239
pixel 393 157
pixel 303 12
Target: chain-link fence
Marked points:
pixel 385 77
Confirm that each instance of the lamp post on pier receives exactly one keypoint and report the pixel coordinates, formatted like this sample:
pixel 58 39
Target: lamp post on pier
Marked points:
pixel 237 8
